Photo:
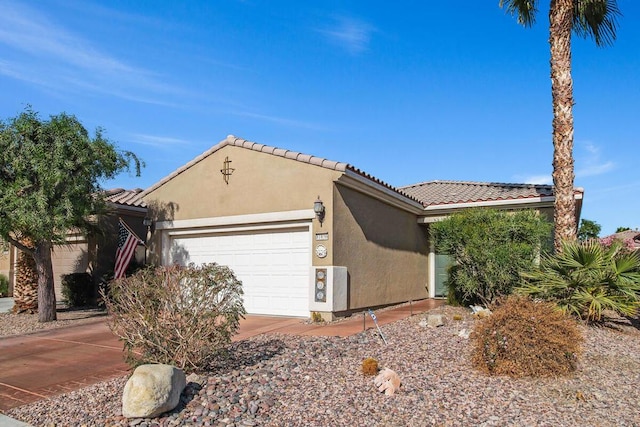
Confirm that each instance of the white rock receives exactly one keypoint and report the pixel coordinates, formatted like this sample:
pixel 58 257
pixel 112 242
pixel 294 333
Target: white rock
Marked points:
pixel 152 390
pixel 464 333
pixel 434 320
pixel 480 311
pixel 387 381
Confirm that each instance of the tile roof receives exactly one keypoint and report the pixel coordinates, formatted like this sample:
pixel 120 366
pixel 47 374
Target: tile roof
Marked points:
pixel 426 193
pixel 288 154
pixel 120 196
pixel 633 235
pixel 450 192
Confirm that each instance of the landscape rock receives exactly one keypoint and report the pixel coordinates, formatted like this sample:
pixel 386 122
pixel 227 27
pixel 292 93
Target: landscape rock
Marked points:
pixel 196 379
pixel 152 390
pixel 434 320
pixel 387 381
pixel 480 311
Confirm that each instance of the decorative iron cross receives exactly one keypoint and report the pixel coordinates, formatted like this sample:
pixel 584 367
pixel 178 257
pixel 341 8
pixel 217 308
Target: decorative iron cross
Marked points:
pixel 226 170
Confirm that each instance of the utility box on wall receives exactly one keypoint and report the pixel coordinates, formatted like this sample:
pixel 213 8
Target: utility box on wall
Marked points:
pixel 328 289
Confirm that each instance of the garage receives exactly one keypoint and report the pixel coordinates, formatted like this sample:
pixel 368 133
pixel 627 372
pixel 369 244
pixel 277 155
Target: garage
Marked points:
pixel 273 265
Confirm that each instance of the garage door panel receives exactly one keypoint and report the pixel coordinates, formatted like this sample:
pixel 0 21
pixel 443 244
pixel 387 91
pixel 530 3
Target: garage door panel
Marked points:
pixel 272 265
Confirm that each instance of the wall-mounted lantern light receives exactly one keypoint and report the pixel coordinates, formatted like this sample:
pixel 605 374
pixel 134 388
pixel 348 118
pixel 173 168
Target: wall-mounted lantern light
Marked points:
pixel 318 208
pixel 147 222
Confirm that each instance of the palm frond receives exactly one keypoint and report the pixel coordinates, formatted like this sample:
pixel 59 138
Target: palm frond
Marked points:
pixel 585 279
pixel 524 10
pixel 596 19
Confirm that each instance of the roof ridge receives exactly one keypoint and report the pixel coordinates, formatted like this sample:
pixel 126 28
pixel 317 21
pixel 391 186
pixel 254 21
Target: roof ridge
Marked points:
pixel 243 143
pixel 289 154
pixel 280 152
pixel 483 183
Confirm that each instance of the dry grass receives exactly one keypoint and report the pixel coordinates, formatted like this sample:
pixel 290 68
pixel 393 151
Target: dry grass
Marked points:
pixel 523 338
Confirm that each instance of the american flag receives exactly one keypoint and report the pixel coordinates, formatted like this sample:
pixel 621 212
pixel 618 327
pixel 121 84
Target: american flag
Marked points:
pixel 127 242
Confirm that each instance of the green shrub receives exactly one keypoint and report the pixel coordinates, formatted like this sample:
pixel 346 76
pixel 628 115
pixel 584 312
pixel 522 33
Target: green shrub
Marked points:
pixel 4 285
pixel 489 248
pixel 587 278
pixel 78 289
pixel 526 338
pixel 183 316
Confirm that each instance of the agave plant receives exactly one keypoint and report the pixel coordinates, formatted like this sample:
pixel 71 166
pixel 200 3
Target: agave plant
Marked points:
pixel 587 278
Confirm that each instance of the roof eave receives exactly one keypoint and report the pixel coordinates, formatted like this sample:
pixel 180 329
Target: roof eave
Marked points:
pixel 433 213
pixel 362 184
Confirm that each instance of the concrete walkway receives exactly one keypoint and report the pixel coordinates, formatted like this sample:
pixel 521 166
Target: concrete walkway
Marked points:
pixel 6 304
pixel 44 364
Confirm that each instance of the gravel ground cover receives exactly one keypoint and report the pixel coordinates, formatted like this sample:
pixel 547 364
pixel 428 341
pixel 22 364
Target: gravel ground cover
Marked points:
pixel 20 324
pixel 279 380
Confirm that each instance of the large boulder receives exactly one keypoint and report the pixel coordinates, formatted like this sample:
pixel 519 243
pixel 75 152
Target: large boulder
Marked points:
pixel 152 390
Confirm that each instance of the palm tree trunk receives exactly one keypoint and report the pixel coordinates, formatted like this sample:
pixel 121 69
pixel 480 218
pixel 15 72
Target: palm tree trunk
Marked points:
pixel 560 24
pixel 46 291
pixel 25 291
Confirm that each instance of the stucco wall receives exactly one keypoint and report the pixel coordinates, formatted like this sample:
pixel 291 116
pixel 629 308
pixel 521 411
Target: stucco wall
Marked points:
pixel 6 267
pixel 260 183
pixel 385 249
pixel 95 255
pixel 70 258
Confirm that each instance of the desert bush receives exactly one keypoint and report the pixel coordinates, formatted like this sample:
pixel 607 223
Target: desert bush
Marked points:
pixel 587 278
pixel 626 244
pixel 523 338
pixel 183 316
pixel 78 289
pixel 489 248
pixel 370 366
pixel 4 285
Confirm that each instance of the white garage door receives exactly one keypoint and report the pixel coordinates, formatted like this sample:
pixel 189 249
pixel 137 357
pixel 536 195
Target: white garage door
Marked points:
pixel 273 266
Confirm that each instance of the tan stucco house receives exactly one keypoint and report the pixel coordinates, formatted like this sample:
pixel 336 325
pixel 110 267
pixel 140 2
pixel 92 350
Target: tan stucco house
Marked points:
pixel 305 234
pixel 95 254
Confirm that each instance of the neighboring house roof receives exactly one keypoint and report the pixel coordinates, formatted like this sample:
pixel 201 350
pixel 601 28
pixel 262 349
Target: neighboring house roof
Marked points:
pixel 450 192
pixel 130 198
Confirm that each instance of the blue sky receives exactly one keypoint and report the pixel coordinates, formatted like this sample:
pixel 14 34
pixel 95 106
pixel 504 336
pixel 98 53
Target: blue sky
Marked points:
pixel 408 91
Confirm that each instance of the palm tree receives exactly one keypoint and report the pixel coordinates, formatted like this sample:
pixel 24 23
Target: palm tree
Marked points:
pixel 25 291
pixel 585 18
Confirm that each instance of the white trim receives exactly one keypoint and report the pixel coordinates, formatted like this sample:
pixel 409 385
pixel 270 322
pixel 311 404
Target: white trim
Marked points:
pixel 527 201
pixel 435 213
pixel 300 215
pixel 432 270
pixel 219 230
pixel 431 219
